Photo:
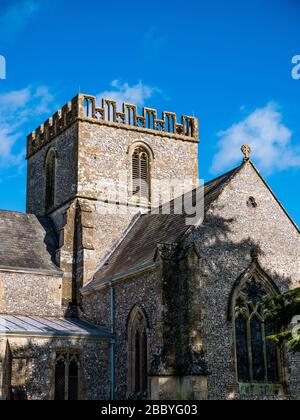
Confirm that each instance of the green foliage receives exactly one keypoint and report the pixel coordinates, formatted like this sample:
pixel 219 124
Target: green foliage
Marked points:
pixel 282 310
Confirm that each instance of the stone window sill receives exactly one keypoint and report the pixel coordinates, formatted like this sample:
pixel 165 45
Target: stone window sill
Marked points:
pixel 262 390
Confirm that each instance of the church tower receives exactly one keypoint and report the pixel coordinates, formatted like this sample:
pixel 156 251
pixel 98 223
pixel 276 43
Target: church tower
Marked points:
pixel 92 169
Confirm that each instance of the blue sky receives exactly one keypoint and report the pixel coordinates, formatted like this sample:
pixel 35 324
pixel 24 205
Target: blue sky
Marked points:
pixel 229 63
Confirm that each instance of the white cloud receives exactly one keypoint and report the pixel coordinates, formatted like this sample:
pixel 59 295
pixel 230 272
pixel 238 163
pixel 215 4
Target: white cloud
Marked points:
pixel 16 16
pixel 17 108
pixel 269 138
pixel 13 100
pixel 123 92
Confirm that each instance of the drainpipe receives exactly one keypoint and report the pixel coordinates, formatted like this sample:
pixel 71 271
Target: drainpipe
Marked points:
pixel 112 342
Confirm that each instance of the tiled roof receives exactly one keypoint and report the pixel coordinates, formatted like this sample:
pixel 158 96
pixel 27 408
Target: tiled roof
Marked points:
pixel 27 242
pixel 139 245
pixel 50 327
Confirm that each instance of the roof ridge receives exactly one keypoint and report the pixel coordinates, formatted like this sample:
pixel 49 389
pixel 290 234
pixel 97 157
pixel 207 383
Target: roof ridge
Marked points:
pixel 138 243
pixel 206 184
pixel 229 175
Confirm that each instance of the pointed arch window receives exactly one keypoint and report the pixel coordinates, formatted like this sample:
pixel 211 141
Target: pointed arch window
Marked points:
pixel 258 359
pixel 141 173
pixel 67 377
pixel 137 355
pixel 50 179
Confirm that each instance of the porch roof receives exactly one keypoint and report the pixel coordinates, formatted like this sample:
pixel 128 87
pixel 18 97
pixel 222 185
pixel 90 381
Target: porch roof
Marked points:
pixel 13 325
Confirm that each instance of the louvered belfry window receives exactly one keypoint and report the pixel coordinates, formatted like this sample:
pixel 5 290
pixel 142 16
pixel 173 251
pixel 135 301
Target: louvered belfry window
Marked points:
pixel 141 173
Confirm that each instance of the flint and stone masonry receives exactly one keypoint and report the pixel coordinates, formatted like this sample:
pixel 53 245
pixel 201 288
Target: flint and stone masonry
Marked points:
pixel 129 304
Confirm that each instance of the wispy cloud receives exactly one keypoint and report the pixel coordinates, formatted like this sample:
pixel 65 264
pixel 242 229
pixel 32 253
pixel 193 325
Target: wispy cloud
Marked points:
pixel 17 108
pixel 122 92
pixel 16 15
pixel 153 43
pixel 269 138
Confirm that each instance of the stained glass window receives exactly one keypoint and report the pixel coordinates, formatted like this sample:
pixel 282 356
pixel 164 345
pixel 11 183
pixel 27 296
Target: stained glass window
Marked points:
pixel 258 367
pixel 272 355
pixel 242 345
pixel 257 357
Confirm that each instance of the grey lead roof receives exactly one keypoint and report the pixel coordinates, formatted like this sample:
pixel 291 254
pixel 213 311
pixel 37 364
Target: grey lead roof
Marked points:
pixel 139 245
pixel 27 242
pixel 50 327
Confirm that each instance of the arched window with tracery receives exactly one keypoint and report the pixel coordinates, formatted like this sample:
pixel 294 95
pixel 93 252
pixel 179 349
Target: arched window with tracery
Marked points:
pixel 67 377
pixel 50 180
pixel 257 358
pixel 141 173
pixel 137 354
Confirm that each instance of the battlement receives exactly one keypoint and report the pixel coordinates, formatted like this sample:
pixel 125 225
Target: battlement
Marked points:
pixel 84 108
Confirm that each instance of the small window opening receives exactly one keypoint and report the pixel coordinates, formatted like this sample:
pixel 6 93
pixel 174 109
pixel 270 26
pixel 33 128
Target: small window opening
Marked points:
pixel 251 203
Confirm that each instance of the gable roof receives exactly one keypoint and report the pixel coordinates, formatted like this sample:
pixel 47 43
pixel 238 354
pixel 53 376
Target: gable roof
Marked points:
pixel 138 247
pixel 27 243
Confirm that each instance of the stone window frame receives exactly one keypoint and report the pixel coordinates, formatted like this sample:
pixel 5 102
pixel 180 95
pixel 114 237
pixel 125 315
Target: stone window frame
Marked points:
pixel 137 321
pixel 255 272
pixel 50 204
pixel 5 369
pixel 150 154
pixel 15 366
pixel 59 353
pixel 20 366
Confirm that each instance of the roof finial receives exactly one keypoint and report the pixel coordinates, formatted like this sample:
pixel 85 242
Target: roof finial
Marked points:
pixel 246 150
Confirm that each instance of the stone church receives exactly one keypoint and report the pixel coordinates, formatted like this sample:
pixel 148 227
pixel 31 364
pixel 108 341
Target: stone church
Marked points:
pixel 103 299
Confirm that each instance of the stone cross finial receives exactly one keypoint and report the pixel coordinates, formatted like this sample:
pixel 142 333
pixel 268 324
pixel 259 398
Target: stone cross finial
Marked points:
pixel 246 150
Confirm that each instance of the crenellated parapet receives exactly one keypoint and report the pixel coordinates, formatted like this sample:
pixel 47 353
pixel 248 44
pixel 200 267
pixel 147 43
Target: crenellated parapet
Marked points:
pixel 54 126
pixel 84 108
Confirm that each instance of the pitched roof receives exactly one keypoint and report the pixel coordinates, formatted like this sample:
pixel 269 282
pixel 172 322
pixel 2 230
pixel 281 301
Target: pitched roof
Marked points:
pixel 139 245
pixel 49 327
pixel 27 242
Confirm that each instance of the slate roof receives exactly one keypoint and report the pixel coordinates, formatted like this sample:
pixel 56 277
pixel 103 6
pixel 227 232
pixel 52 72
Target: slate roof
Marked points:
pixel 50 327
pixel 138 247
pixel 27 242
